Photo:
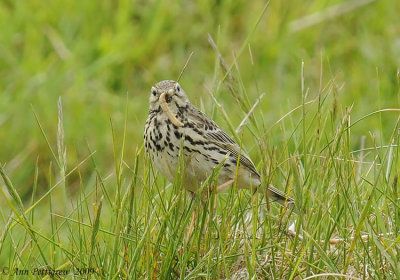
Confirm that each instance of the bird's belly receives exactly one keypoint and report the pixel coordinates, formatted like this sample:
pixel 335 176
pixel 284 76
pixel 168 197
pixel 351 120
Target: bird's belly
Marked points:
pixel 200 165
pixel 196 169
pixel 166 164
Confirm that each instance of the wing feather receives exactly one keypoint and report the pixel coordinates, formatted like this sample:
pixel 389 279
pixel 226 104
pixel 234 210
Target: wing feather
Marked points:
pixel 214 134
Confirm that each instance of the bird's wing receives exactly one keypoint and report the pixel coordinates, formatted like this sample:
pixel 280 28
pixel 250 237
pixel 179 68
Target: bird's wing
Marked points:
pixel 212 133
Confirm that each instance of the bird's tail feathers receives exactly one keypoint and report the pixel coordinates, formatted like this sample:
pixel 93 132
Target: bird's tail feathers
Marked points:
pixel 283 199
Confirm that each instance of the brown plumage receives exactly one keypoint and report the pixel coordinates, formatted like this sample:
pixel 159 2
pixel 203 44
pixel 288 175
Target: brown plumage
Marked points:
pixel 174 121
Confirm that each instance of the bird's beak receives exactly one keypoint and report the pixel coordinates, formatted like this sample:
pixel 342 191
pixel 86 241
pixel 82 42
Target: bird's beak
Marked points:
pixel 170 92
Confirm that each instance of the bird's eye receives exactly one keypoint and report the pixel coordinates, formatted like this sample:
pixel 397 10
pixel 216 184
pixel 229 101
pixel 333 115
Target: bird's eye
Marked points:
pixel 178 88
pixel 154 92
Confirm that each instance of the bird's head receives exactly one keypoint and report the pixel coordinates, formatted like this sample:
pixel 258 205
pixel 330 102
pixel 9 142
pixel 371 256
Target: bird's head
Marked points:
pixel 168 91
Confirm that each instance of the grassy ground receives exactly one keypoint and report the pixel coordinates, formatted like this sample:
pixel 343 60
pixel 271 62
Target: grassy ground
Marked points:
pixel 79 195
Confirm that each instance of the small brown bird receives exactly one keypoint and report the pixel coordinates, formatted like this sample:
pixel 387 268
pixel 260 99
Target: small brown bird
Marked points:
pixel 174 121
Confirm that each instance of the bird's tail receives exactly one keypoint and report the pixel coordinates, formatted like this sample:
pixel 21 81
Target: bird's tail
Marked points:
pixel 283 199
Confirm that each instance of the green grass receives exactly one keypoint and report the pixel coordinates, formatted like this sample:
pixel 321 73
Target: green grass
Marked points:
pixel 78 192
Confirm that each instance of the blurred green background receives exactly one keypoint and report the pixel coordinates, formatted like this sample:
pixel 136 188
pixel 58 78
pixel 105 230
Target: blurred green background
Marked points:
pixel 93 53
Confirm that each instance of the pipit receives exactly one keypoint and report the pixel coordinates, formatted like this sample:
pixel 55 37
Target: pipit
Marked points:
pixel 175 126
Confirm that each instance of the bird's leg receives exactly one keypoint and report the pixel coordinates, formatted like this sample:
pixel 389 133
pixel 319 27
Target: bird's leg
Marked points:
pixel 220 188
pixel 191 227
pixel 194 215
pixel 224 186
pixel 205 195
pixel 193 221
pixel 217 189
